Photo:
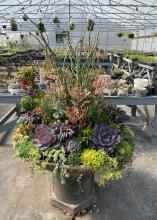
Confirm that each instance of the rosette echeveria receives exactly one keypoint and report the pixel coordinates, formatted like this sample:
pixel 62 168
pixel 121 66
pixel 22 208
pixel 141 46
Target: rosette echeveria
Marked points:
pixel 105 137
pixel 67 130
pixel 72 145
pixel 45 136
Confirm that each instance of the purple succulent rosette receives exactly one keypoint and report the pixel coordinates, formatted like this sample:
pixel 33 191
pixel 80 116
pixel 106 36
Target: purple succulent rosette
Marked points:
pixel 31 117
pixel 45 136
pixel 105 137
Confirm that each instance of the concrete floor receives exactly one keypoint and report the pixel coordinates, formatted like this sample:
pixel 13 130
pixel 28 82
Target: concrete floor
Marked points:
pixel 132 198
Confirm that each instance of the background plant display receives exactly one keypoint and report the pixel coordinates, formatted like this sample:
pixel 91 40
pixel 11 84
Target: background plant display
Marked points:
pixel 72 125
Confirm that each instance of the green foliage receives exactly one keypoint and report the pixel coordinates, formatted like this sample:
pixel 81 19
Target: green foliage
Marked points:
pixel 99 161
pixel 98 115
pixel 128 134
pixel 93 159
pixel 74 159
pixel 85 136
pixel 124 153
pixel 58 156
pixel 128 86
pixel 120 34
pixel 130 35
pixel 27 103
pixel 24 147
pixel 142 58
pixel 52 109
pixel 29 71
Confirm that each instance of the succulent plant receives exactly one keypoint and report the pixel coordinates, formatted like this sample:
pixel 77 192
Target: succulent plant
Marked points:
pixel 105 137
pixel 45 136
pixel 31 117
pixel 67 130
pixel 117 115
pixel 72 145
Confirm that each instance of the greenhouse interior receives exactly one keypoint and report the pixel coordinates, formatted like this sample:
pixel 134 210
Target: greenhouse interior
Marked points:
pixel 78 110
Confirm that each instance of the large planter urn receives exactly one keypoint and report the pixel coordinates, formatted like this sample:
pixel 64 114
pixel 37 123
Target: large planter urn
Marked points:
pixel 77 193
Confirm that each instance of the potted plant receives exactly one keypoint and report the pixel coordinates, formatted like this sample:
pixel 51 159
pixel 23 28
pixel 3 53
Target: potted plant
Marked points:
pixel 25 17
pixel 72 26
pixel 56 19
pixel 90 25
pixel 37 33
pixel 131 35
pixel 27 76
pixel 21 36
pixel 41 27
pixel 120 34
pixel 74 134
pixel 13 25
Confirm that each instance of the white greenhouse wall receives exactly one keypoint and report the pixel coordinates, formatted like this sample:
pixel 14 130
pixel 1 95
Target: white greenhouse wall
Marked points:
pixel 145 44
pixel 107 39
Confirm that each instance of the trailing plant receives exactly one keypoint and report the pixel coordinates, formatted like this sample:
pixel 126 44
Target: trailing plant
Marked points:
pixel 130 35
pixel 13 25
pixel 25 17
pixel 41 26
pixel 120 34
pixel 90 25
pixel 72 26
pixel 56 19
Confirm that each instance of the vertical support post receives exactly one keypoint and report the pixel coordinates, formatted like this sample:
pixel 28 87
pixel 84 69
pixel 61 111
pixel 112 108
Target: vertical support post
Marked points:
pixel 18 109
pixel 154 128
pixel 133 110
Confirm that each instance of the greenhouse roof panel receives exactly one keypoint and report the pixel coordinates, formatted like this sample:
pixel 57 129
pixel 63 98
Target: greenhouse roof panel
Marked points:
pixel 128 13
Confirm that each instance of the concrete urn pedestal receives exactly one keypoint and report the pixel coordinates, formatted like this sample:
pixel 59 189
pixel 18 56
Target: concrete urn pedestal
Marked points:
pixel 77 193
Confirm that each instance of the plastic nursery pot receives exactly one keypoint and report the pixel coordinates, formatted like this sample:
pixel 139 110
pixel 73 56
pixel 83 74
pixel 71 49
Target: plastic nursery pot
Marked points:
pixel 79 187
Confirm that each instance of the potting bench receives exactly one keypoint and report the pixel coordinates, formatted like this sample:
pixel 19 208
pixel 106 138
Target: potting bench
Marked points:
pixel 134 101
pixel 133 67
pixel 6 98
pixel 147 71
